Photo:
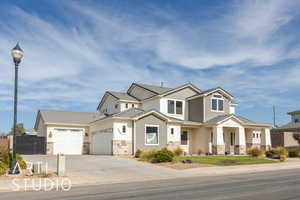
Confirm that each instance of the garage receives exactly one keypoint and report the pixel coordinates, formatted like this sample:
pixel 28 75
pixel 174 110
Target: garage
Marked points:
pixel 68 141
pixel 102 143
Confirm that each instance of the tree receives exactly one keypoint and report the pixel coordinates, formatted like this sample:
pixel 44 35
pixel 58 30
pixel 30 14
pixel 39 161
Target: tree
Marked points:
pixel 19 130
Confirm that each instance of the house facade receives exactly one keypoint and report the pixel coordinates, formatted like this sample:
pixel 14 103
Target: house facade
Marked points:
pixel 152 117
pixel 288 135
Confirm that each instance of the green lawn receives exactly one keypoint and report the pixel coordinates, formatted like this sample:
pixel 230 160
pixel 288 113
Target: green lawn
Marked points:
pixel 224 160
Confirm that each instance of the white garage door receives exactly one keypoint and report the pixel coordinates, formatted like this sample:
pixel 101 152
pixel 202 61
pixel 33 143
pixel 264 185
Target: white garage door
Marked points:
pixel 69 142
pixel 102 143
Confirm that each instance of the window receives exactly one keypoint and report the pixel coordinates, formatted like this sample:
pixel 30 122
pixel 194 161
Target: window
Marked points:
pixel 126 105
pixel 253 135
pixel 184 138
pixel 175 107
pixel 211 137
pixel 232 136
pixel 124 129
pixel 152 135
pixel 172 131
pixel 132 105
pixel 170 106
pixel 296 120
pixel 116 106
pixel 179 107
pixel 217 103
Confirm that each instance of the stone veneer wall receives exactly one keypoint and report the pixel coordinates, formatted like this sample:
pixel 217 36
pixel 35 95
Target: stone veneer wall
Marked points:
pixel 122 147
pixel 240 149
pixel 218 149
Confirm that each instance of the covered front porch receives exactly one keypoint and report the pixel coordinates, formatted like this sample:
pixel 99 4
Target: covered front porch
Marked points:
pixel 230 137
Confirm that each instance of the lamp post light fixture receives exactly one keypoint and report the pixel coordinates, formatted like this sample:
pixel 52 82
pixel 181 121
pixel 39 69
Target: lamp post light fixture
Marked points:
pixel 17 54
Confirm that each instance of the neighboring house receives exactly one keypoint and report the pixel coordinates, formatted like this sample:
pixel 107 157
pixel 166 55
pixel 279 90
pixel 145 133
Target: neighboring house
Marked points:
pixel 152 117
pixel 288 135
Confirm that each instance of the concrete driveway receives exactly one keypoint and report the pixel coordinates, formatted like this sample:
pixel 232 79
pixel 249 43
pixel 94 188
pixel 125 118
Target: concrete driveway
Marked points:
pixel 104 169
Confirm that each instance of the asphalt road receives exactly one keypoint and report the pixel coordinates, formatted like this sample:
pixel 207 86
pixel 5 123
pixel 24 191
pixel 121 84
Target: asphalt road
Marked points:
pixel 283 185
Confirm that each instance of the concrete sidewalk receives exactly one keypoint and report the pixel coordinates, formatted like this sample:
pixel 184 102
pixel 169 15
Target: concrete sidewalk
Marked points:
pixel 6 184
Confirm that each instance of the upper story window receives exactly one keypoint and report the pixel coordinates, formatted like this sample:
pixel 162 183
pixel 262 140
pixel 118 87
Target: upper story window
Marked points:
pixel 116 106
pixel 124 129
pixel 132 105
pixel 296 120
pixel 217 103
pixel 175 107
pixel 126 105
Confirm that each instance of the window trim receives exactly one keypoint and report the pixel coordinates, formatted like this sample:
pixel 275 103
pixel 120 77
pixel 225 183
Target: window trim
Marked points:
pixel 218 99
pixel 175 111
pixel 151 125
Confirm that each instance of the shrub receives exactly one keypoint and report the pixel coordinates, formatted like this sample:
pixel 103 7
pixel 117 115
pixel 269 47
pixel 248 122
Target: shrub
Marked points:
pixel 164 155
pixel 138 153
pixel 199 152
pixel 148 155
pixel 3 168
pixel 278 152
pixel 21 162
pixel 282 158
pixel 5 157
pixel 294 153
pixel 178 151
pixel 255 152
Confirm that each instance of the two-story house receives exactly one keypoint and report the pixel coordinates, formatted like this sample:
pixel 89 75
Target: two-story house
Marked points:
pixel 147 117
pixel 152 117
pixel 288 135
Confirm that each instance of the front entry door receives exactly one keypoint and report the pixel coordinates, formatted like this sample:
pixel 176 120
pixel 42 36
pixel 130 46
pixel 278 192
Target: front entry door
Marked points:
pixel 184 142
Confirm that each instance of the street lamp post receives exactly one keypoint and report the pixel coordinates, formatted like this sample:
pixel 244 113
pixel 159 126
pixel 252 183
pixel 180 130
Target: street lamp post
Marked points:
pixel 17 54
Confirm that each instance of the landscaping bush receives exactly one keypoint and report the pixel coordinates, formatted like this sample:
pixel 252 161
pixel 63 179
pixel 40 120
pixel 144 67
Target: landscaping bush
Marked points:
pixel 3 168
pixel 199 152
pixel 5 157
pixel 138 153
pixel 277 153
pixel 164 155
pixel 255 152
pixel 294 153
pixel 148 155
pixel 178 151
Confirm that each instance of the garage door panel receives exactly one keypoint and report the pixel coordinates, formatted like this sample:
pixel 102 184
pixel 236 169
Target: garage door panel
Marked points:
pixel 67 142
pixel 102 143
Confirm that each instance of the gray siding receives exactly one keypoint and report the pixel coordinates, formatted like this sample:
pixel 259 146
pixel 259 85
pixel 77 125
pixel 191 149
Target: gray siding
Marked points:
pixel 182 94
pixel 140 133
pixel 196 110
pixel 209 114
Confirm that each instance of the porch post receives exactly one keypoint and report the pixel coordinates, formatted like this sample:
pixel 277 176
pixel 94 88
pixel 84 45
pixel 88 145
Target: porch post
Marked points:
pixel 218 141
pixel 240 141
pixel 266 139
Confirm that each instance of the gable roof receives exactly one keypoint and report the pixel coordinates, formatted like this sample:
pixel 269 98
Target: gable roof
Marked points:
pixel 118 95
pixel 244 121
pixel 162 91
pixel 207 92
pixel 66 117
pixel 294 112
pixel 153 88
pixel 288 127
pixel 136 113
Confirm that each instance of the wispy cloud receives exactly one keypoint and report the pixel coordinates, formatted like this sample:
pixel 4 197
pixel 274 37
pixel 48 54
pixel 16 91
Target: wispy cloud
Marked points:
pixel 71 60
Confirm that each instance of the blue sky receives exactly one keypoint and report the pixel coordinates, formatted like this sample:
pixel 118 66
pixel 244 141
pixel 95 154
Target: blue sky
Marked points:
pixel 75 50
